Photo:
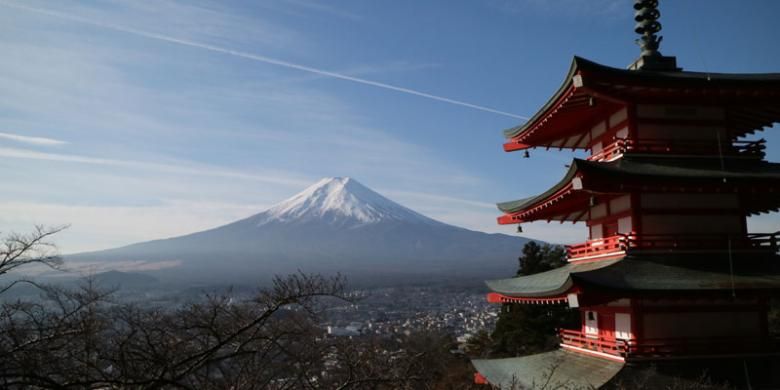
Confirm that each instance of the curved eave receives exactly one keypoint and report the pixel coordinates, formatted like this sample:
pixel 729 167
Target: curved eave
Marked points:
pixel 689 169
pixel 561 121
pixel 556 98
pixel 564 201
pixel 756 182
pixel 550 284
pixel 759 93
pixel 501 298
pixel 514 208
pixel 688 273
pixel 759 181
pixel 679 80
pixel 568 204
pixel 665 273
pixel 558 369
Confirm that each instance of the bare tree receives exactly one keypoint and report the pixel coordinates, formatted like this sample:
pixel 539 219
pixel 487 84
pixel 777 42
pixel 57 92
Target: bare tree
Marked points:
pixel 84 338
pixel 18 250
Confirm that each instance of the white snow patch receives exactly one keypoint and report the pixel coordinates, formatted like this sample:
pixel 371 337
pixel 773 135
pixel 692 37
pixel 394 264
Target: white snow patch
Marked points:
pixel 340 201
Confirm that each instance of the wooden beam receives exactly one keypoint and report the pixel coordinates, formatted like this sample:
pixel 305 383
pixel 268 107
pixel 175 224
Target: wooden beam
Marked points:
pixel 514 146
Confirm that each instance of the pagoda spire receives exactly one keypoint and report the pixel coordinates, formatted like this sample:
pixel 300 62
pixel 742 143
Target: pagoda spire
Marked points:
pixel 647 26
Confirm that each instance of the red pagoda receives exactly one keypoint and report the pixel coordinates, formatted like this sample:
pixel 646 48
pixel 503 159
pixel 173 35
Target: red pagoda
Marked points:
pixel 669 270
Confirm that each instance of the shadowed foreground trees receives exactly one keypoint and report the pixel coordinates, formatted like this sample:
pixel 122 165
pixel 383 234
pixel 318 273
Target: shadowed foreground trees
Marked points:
pixel 524 329
pixel 83 338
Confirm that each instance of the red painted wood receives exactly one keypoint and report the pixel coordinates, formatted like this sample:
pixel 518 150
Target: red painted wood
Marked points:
pixel 606 325
pixel 514 146
pixel 598 344
pixel 596 247
pixel 479 379
pixel 494 297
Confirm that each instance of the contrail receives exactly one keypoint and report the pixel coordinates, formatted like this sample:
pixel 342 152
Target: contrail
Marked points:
pixel 259 58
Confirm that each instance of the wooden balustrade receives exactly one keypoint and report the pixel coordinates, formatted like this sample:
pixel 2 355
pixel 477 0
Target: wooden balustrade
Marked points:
pixel 596 343
pixel 753 149
pixel 626 243
pixel 598 248
pixel 665 347
pixel 756 241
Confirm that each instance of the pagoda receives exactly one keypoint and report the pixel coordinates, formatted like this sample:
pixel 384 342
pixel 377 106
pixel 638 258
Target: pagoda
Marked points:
pixel 669 271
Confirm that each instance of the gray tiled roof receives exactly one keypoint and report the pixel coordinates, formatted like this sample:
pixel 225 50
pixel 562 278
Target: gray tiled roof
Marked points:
pixel 553 282
pixel 557 369
pixel 703 272
pixel 673 78
pixel 662 168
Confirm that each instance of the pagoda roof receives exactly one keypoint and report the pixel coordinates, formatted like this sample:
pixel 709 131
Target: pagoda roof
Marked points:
pixel 558 369
pixel 690 273
pixel 646 173
pixel 591 91
pixel 555 282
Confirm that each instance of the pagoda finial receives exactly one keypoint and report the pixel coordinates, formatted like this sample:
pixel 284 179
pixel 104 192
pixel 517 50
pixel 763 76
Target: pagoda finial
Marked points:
pixel 647 25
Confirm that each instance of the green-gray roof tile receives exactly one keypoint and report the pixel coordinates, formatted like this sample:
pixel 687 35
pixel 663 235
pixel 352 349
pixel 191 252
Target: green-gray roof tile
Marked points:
pixel 558 369
pixel 667 168
pixel 659 272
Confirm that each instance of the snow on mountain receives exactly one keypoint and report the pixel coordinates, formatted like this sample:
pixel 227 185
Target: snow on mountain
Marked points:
pixel 339 201
pixel 335 225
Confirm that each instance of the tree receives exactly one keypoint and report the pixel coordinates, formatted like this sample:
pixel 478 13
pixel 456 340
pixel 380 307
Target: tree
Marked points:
pixel 526 329
pixel 540 258
pixel 24 250
pixel 83 338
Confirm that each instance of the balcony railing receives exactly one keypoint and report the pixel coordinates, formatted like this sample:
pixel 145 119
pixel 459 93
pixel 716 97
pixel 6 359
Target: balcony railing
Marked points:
pixel 626 243
pixel 754 241
pixel 659 347
pixel 696 346
pixel 618 146
pixel 595 343
pixel 598 248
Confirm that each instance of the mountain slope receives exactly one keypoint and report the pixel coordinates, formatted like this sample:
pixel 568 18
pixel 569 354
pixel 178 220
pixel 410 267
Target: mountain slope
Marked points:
pixel 336 225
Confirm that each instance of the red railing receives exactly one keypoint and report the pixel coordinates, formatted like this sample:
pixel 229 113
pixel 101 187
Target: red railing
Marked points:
pixel 697 346
pixel 754 241
pixel 769 241
pixel 624 243
pixel 596 343
pixel 610 150
pixel 750 148
pixel 598 248
pixel 753 149
pixel 656 347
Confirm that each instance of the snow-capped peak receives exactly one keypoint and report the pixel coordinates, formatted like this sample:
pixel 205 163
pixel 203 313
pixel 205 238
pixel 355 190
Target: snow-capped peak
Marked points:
pixel 342 201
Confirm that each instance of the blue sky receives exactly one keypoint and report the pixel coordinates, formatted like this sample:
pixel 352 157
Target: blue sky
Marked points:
pixel 134 120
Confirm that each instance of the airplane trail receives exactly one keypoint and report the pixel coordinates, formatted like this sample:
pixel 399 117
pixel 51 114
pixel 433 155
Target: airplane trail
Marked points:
pixel 259 58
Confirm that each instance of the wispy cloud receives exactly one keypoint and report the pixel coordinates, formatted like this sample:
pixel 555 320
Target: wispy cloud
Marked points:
pixel 104 227
pixel 42 141
pixel 565 8
pixel 153 166
pixel 325 8
pixel 150 159
pixel 439 198
pixel 263 59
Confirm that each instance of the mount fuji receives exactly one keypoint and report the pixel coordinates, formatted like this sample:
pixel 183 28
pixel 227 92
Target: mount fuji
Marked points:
pixel 335 225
